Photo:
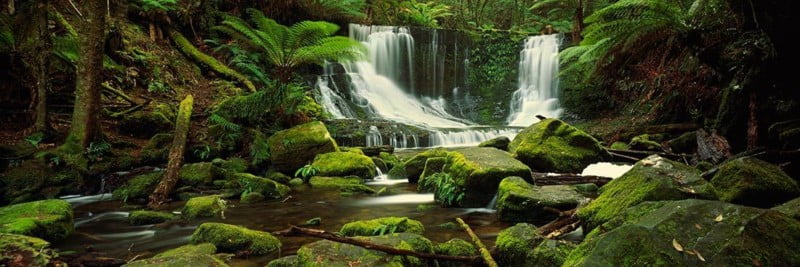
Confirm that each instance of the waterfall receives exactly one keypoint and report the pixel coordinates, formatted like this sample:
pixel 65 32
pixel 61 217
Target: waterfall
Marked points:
pixel 538 81
pixel 374 137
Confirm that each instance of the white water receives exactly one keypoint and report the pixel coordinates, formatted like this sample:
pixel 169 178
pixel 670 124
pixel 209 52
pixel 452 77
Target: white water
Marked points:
pixel 538 81
pixel 383 179
pixel 607 169
pixel 397 199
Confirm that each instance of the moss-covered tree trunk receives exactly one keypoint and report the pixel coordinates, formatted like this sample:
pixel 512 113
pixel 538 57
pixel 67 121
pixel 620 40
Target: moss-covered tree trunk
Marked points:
pixel 89 75
pixel 161 194
pixel 36 51
pixel 212 63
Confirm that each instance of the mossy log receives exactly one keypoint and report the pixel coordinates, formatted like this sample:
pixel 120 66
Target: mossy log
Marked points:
pixel 167 184
pixel 209 61
pixel 485 254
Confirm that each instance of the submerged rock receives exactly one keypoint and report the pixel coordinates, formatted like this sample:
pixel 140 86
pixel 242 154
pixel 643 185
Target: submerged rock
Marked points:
pixel 333 254
pixel 20 250
pixel 233 239
pixel 692 232
pixel 47 219
pixel 344 164
pixel 381 226
pixel 293 148
pixel 753 182
pixel 499 143
pixel 206 206
pixel 552 145
pixel 519 201
pixel 791 208
pixel 651 179
pixel 188 255
pixel 144 217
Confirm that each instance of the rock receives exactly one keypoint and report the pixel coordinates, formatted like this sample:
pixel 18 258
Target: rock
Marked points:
pixel 202 173
pixel 145 124
pixel 316 221
pixel 722 234
pixel 620 146
pixel 515 243
pixel 791 208
pixel 278 177
pixel 550 253
pixel 587 188
pixel 552 145
pixel 651 179
pixel 296 182
pixel 416 165
pixel 232 239
pixel 20 250
pixel 685 143
pixel 519 201
pixel 785 134
pixel 380 164
pixel 499 143
pixel 202 248
pixel 374 151
pixel 269 188
pixel 334 254
pixel 433 165
pixel 753 182
pixel 35 179
pixel 288 261
pixel 354 150
pixel 381 226
pixel 47 219
pixel 156 150
pixel 144 217
pixel 454 247
pixel 228 168
pixel 251 197
pixel 207 206
pixel 344 184
pixel 398 172
pixel 344 164
pixel 187 255
pixel 644 142
pixel 138 188
pixel 293 148
pixel 390 159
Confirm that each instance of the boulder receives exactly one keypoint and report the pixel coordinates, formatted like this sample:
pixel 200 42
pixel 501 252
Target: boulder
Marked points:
pixel 344 164
pixel 550 253
pixel 519 201
pixel 390 159
pixel 620 146
pixel 381 226
pixel 293 148
pixel 206 206
pixel 685 143
pixel 690 233
pixel 644 142
pixel 455 247
pixel 37 179
pixel 651 179
pixel 138 188
pixel 266 187
pixel 201 248
pixel 753 182
pixel 232 239
pixel 380 164
pixel 47 219
pixel 202 173
pixel 231 165
pixel 552 145
pixel 333 254
pixel 20 250
pixel 288 261
pixel 515 243
pixel 433 165
pixel 251 197
pixel 416 165
pixel 499 143
pixel 344 184
pixel 144 217
pixel 187 255
pixel 791 208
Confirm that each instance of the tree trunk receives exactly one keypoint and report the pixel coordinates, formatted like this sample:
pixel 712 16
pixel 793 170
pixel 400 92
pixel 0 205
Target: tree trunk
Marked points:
pixel 89 75
pixel 578 26
pixel 752 122
pixel 167 184
pixel 11 8
pixel 152 31
pixel 40 67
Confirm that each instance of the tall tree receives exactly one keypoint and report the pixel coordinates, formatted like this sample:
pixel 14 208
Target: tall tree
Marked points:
pixel 36 51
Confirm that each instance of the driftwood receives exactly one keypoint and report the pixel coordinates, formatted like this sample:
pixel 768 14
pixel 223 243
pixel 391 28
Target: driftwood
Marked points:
pixel 485 254
pixel 296 231
pixel 568 179
pixel 167 184
pixel 565 223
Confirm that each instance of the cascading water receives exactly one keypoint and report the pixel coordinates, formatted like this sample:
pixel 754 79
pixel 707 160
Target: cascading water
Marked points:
pixel 538 81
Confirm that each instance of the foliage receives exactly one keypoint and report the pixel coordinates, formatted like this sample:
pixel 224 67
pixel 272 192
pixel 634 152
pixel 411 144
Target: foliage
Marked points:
pixel 566 10
pixel 259 148
pixel 202 152
pixel 158 5
pixel 446 191
pixel 97 150
pixel 306 171
pixel 35 139
pixel 331 9
pixel 424 14
pixel 6 35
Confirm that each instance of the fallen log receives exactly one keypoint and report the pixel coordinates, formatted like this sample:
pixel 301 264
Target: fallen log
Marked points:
pixel 485 254
pixel 296 231
pixel 161 194
pixel 674 128
pixel 643 154
pixel 568 179
pixel 620 157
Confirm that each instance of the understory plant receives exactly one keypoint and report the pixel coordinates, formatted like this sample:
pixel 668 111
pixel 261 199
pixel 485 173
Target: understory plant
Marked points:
pixel 444 188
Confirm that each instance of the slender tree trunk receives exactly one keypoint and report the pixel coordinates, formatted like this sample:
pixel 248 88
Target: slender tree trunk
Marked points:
pixel 752 122
pixel 578 26
pixel 11 8
pixel 167 184
pixel 89 75
pixel 40 66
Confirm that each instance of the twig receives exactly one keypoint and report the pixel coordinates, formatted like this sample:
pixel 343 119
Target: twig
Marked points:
pixel 565 223
pixel 624 157
pixel 76 8
pixel 285 199
pixel 485 254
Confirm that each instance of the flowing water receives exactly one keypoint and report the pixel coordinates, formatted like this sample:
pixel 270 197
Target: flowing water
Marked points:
pixel 538 81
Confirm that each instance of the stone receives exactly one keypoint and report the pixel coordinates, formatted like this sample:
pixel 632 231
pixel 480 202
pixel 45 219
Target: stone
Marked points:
pixel 20 250
pixel 552 145
pixel 550 253
pixel 288 261
pixel 644 142
pixel 620 146
pixel 390 159
pixel 156 149
pixel 344 184
pixel 380 164
pixel 201 248
pixel 454 247
pixel 46 219
pixel 266 187
pixel 278 177
pixel 519 201
pixel 232 165
pixel 145 124
pixel 754 182
pixel 651 179
pixel 251 197
pixel 514 243
pixel 35 179
pixel 187 255
pixel 333 254
pixel 432 165
pixel 381 226
pixel 416 165
pixel 791 208
pixel 202 173
pixel 685 143
pixel 499 143
pixel 145 217
pixel 206 206
pixel 138 188
pixel 232 239
pixel 296 182
pixel 293 148
pixel 345 164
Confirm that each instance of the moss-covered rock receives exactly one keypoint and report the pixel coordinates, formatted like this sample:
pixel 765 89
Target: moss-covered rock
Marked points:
pixel 519 201
pixel 269 188
pixel 651 179
pixel 432 165
pixel 144 217
pixel 296 182
pixel 397 172
pixel 138 188
pixel 187 255
pixel 550 253
pixel 232 239
pixel 390 159
pixel 552 145
pixel 644 142
pixel 753 182
pixel 232 165
pixel 202 173
pixel 206 206
pixel 344 164
pixel 333 254
pixel 288 261
pixel 20 250
pixel 345 184
pixel 145 124
pixel 710 233
pixel 499 143
pixel 251 197
pixel 380 164
pixel 791 208
pixel 515 243
pixel 416 165
pixel 293 148
pixel 380 226
pixel 156 149
pixel 46 219
pixel 685 143
pixel 36 179
pixel 202 248
pixel 620 146
pixel 455 247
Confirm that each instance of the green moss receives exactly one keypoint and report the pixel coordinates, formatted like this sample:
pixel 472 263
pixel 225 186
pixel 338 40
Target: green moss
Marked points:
pixel 753 182
pixel 288 261
pixel 398 172
pixel 333 254
pixel 180 260
pixel 206 206
pixel 47 219
pixel 296 182
pixel 156 149
pixel 519 201
pixel 499 143
pixel 251 197
pixel 514 244
pixel 144 217
pixel 432 165
pixel 231 166
pixel 269 188
pixel 479 172
pixel 354 150
pixel 293 148
pixel 186 47
pixel 20 250
pixel 390 159
pixel 232 239
pixel 138 187
pixel 384 225
pixel 791 208
pixel 35 179
pixel 644 142
pixel 202 248
pixel 344 164
pixel 552 145
pixel 202 173
pixel 550 253
pixel 455 247
pixel 685 143
pixel 620 146
pixel 278 177
pixel 416 165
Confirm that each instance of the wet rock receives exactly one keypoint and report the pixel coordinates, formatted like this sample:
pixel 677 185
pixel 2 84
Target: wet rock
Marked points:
pixel 293 148
pixel 374 151
pixel 232 239
pixel 278 177
pixel 550 253
pixel 251 197
pixel 552 145
pixel 202 173
pixel 20 250
pixel 138 188
pixel 651 179
pixel 380 164
pixel 416 165
pixel 381 226
pixel 329 253
pixel 515 243
pixel 499 143
pixel 231 166
pixel 266 187
pixel 344 164
pixel 345 184
pixel 519 201
pixel 644 142
pixel 791 208
pixel 206 206
pixel 689 233
pixel 288 261
pixel 144 217
pixel 201 248
pixel 390 159
pixel 296 182
pixel 455 247
pixel 753 182
pixel 187 255
pixel 47 219
pixel 398 172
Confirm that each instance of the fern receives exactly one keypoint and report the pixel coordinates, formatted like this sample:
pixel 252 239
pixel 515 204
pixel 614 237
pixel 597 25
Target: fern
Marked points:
pixel 7 42
pixel 259 149
pixel 424 14
pixel 444 187
pixel 306 172
pixel 332 9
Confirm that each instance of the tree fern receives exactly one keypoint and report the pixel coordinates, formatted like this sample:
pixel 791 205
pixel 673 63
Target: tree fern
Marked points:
pixel 6 35
pixel 424 13
pixel 333 9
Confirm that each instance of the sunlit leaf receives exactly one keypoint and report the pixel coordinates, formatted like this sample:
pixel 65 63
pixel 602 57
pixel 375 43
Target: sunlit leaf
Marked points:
pixel 719 218
pixel 677 245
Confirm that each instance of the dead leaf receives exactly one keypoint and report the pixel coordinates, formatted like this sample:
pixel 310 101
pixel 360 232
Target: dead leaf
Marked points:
pixel 689 252
pixel 698 226
pixel 677 245
pixel 699 256
pixel 719 218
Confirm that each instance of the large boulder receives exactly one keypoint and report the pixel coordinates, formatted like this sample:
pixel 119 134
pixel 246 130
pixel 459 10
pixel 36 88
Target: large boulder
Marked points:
pixel 188 255
pixel 46 219
pixel 266 187
pixel 519 201
pixel 334 254
pixel 293 148
pixel 552 145
pixel 753 182
pixel 515 243
pixel 415 166
pixel 345 164
pixel 690 233
pixel 232 239
pixel 20 250
pixel 651 179
pixel 345 184
pixel 205 206
pixel 499 143
pixel 791 208
pixel 381 226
